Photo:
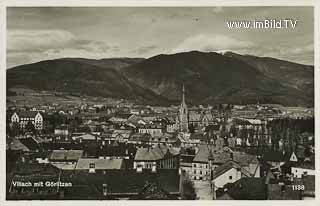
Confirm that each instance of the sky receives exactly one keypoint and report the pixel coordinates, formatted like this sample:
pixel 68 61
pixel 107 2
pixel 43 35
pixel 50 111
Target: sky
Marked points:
pixel 41 33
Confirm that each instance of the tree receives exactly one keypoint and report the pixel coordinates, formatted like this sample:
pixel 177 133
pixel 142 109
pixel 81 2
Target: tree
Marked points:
pixel 14 130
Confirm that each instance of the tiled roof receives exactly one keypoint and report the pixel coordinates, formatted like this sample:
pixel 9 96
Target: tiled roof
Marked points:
pixel 227 166
pixel 139 137
pixel 153 154
pixel 100 164
pixel 248 188
pixel 66 154
pixel 244 159
pixel 208 151
pixel 28 114
pixel 128 181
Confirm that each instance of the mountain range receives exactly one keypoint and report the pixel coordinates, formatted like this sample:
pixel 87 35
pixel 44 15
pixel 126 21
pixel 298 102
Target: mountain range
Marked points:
pixel 209 78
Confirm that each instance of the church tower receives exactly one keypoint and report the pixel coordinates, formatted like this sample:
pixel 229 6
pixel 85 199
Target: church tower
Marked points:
pixel 183 113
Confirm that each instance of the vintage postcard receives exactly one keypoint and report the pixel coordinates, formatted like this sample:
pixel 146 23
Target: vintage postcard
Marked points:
pixel 160 103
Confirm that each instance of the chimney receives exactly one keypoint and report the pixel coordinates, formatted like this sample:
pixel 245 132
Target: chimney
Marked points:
pixel 105 189
pixel 92 168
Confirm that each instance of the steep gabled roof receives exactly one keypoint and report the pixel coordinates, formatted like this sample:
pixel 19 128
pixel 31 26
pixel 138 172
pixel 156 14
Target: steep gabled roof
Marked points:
pixel 227 166
pixel 156 153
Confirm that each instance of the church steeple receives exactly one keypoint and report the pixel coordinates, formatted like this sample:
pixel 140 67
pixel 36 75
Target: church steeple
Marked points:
pixel 183 94
pixel 183 113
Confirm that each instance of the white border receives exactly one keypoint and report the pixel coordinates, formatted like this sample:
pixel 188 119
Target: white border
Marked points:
pixel 154 3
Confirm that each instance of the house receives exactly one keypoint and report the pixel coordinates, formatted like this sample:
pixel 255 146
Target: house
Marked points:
pixel 95 165
pixel 139 138
pixel 164 138
pixel 186 159
pixel 159 157
pixel 152 129
pixel 85 138
pixel 62 130
pixel 121 135
pixel 65 159
pixel 301 170
pixel 201 165
pixel 246 188
pixel 207 158
pixel 229 172
pixel 117 151
pixel 126 184
pixel 23 118
pixel 120 118
pixel 276 158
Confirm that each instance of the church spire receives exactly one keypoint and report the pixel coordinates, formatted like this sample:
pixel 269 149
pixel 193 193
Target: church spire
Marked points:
pixel 183 95
pixel 183 113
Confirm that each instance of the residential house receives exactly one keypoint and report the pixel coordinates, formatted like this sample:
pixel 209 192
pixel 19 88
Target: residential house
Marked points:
pixel 158 157
pixel 229 172
pixel 65 159
pixel 96 165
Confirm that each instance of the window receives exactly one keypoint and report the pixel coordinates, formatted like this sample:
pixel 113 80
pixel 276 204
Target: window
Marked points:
pixel 200 172
pixel 92 165
pixel 230 177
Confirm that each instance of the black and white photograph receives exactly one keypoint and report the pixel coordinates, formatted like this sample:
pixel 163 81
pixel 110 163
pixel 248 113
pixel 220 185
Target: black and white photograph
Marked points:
pixel 160 103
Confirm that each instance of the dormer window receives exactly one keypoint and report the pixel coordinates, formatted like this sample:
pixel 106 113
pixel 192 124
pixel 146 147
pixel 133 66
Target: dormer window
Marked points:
pixel 92 167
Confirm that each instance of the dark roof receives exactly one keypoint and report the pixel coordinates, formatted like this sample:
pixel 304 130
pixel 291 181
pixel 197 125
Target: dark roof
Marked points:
pixel 30 143
pixel 129 181
pixel 248 188
pixel 275 156
pixel 28 114
pixel 120 150
pixel 34 168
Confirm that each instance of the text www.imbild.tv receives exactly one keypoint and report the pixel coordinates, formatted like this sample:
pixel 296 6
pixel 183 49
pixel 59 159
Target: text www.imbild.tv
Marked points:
pixel 263 24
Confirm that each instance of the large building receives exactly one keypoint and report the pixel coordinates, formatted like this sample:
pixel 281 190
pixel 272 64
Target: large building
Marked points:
pixel 23 118
pixel 183 114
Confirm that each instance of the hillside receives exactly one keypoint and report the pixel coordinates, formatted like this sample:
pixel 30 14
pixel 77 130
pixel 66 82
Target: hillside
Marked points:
pixel 209 78
pixel 79 78
pixel 215 78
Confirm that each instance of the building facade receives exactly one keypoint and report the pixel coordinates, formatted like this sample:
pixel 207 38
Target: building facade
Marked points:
pixel 24 118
